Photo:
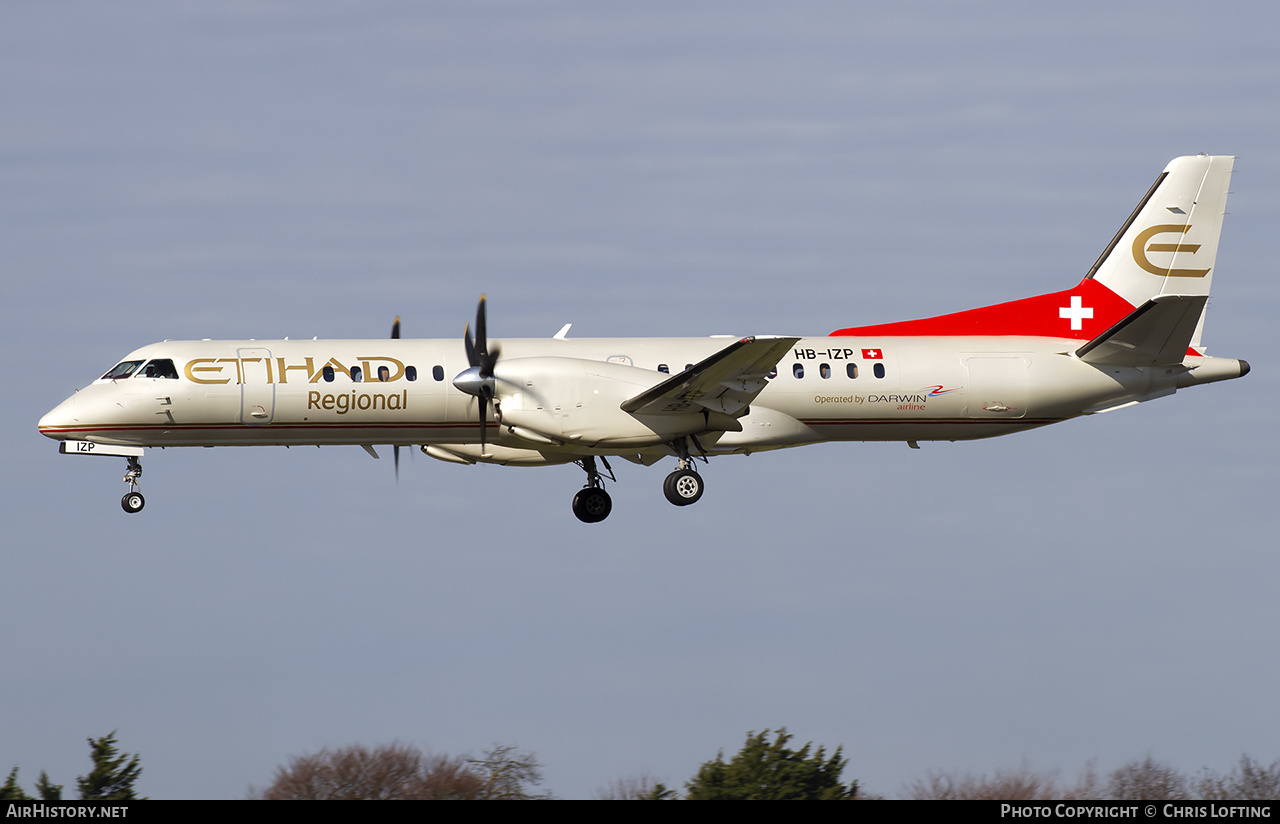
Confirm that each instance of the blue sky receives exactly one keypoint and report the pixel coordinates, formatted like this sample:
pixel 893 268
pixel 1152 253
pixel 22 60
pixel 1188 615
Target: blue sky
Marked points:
pixel 1101 589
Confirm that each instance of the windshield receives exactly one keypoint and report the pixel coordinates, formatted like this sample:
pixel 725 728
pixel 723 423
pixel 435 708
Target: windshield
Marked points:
pixel 121 370
pixel 159 368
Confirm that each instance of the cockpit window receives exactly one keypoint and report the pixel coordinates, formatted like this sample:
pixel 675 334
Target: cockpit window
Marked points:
pixel 121 370
pixel 159 368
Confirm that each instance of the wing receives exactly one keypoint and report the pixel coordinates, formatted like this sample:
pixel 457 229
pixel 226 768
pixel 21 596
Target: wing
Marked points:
pixel 726 382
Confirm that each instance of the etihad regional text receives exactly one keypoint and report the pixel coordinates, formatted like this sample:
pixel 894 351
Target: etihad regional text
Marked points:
pixel 345 403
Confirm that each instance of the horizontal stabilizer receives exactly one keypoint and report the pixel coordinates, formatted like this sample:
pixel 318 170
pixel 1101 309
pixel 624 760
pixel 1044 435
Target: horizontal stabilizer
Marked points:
pixel 1156 333
pixel 727 382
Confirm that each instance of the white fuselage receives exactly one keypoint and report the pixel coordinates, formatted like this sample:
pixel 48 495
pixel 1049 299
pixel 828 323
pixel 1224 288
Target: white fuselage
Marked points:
pixel 296 392
pixel 1129 331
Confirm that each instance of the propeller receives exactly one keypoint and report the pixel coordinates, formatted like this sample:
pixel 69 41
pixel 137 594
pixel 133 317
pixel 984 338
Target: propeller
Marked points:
pixel 395 448
pixel 478 380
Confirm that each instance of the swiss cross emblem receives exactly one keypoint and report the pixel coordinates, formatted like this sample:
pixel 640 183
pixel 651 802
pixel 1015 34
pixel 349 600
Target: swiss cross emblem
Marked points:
pixel 1077 312
pixel 872 354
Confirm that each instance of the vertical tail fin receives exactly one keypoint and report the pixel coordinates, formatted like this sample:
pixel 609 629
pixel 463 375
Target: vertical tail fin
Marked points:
pixel 1166 248
pixel 1170 243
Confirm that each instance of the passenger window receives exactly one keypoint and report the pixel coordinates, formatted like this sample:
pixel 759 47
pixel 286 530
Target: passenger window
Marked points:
pixel 773 373
pixel 851 369
pixel 328 374
pixel 664 369
pixel 437 372
pixel 411 373
pixel 825 371
pixel 121 370
pixel 878 369
pixel 798 370
pixel 384 374
pixel 688 366
pixel 356 374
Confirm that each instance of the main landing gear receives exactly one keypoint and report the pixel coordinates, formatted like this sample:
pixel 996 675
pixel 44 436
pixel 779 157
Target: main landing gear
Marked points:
pixel 682 487
pixel 133 500
pixel 592 504
pixel 685 486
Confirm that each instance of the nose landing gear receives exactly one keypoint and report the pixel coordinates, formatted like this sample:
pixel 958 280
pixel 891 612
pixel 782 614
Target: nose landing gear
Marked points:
pixel 133 500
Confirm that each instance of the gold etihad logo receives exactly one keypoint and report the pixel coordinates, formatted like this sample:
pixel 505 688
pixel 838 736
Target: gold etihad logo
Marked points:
pixel 276 370
pixel 1140 250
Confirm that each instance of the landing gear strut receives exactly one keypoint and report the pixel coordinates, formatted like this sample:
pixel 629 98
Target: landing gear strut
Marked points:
pixel 685 485
pixel 133 500
pixel 592 504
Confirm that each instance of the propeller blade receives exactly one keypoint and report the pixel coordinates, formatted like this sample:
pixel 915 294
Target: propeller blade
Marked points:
pixel 395 449
pixel 478 380
pixel 482 342
pixel 470 347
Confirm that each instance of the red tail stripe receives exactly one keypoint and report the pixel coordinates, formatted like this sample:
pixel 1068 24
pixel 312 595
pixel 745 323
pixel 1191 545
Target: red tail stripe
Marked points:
pixel 1090 306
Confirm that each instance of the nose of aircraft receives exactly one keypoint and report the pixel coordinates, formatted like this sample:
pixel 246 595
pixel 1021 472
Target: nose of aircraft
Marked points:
pixel 58 418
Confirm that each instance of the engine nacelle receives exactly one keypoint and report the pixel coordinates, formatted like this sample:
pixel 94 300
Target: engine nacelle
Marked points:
pixel 573 401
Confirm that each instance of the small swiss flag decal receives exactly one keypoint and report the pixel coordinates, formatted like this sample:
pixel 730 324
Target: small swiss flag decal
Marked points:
pixel 872 354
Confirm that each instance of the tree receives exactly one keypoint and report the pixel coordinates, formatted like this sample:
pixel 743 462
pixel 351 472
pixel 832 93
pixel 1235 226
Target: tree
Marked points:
pixel 11 791
pixel 1006 785
pixel 48 790
pixel 113 773
pixel 384 773
pixel 111 778
pixel 1147 780
pixel 640 788
pixel 1022 784
pixel 1250 781
pixel 509 775
pixel 767 770
pixel 402 772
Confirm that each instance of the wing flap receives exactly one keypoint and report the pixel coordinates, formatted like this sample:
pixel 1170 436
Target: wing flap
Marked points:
pixel 727 382
pixel 1156 333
